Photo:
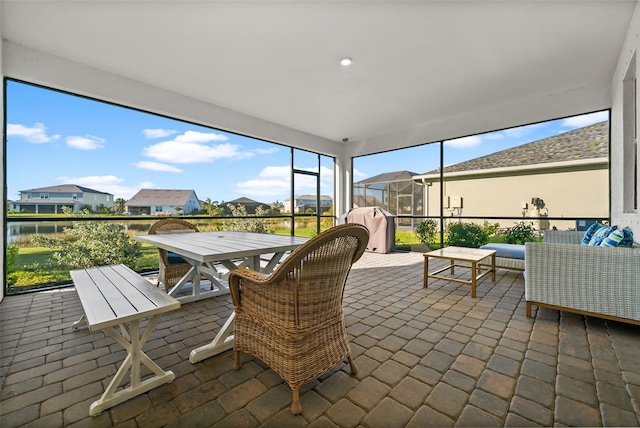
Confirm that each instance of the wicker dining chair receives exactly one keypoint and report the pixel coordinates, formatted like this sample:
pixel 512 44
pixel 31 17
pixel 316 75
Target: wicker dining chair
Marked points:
pixel 172 266
pixel 292 319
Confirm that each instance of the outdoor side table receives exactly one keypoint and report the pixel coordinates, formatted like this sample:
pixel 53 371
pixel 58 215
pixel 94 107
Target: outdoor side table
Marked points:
pixel 461 254
pixel 116 296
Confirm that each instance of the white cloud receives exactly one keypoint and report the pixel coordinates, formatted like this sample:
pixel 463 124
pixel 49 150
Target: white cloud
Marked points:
pixel 107 183
pixel 179 152
pixel 193 147
pixel 158 133
pixel 585 119
pixel 88 142
pixel 464 142
pixel 36 134
pixel 359 174
pixel 266 151
pixel 157 166
pixel 274 181
pixel 199 137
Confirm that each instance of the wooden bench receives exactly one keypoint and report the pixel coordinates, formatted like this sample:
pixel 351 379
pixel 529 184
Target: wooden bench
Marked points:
pixel 116 296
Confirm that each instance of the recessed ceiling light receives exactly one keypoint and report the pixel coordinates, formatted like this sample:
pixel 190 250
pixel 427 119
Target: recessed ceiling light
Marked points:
pixel 346 62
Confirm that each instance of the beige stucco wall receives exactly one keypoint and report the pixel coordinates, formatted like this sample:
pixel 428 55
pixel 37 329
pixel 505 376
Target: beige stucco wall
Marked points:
pixel 631 45
pixel 571 192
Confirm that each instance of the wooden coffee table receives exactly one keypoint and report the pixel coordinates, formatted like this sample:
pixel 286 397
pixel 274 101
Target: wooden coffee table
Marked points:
pixel 461 254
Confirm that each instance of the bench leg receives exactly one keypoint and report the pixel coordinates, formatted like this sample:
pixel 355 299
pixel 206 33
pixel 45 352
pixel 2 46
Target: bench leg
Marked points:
pixel 133 345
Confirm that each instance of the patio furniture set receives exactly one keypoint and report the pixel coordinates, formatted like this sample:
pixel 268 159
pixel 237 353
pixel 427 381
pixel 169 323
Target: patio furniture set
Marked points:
pixel 289 312
pixel 279 310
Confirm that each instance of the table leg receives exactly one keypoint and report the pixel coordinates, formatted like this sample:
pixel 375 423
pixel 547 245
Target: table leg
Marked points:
pixel 426 271
pixel 474 278
pixel 452 264
pixel 222 342
pixel 82 322
pixel 133 345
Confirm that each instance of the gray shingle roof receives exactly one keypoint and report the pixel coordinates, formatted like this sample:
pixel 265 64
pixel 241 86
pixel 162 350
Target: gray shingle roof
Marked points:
pixel 65 188
pixel 590 142
pixel 149 197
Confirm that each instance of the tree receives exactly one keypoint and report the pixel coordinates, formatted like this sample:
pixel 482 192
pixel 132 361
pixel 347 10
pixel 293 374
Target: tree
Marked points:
pixel 120 205
pixel 277 207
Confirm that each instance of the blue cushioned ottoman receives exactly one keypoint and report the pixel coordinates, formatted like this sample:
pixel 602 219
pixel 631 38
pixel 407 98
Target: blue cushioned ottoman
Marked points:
pixel 510 251
pixel 508 256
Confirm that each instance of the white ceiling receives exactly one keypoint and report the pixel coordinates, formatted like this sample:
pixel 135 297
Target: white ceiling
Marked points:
pixel 414 62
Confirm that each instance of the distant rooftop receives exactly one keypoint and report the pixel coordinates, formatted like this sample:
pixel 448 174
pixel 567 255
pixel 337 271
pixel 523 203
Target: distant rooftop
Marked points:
pixel 64 188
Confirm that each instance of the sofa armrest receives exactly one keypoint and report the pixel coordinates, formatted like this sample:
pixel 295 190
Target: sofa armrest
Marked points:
pixel 602 280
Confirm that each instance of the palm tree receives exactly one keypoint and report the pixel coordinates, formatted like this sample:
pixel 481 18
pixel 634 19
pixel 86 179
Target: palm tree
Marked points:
pixel 120 205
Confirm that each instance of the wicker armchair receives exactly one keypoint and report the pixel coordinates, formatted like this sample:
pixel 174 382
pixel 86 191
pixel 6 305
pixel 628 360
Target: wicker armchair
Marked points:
pixel 171 271
pixel 292 319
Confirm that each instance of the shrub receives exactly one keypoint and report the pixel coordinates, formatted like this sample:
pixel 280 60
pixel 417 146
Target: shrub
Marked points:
pixel 466 235
pixel 490 229
pixel 93 243
pixel 519 234
pixel 247 224
pixel 426 231
pixel 12 254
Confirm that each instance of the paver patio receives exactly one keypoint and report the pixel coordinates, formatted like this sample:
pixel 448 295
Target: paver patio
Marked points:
pixel 426 357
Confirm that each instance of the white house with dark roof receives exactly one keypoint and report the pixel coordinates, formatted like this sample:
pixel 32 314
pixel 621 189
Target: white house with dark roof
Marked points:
pixel 302 203
pixel 50 200
pixel 163 201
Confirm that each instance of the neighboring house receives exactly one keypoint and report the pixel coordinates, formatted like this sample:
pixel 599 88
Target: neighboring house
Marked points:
pixel 163 201
pixel 396 192
pixel 566 175
pixel 50 200
pixel 302 203
pixel 249 204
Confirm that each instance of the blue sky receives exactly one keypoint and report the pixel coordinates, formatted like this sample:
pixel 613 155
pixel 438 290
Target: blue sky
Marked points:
pixel 55 138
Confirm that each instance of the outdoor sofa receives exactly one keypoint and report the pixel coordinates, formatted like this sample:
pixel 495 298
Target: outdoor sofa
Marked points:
pixel 590 280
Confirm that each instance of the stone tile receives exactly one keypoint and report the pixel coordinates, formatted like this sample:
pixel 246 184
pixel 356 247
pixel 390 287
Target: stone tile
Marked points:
pixel 410 392
pixel 200 417
pixel 313 405
pixel 336 386
pixel 345 414
pixel 241 418
pixel 497 384
pixel 368 393
pixel 388 413
pixel 575 413
pixel 489 403
pixel 533 411
pixel 504 365
pixel 241 395
pixel 576 390
pixel 428 417
pixel 391 372
pixel 473 417
pixel 447 400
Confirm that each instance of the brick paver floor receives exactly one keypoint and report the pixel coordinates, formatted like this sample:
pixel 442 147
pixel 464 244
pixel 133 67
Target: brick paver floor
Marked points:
pixel 426 357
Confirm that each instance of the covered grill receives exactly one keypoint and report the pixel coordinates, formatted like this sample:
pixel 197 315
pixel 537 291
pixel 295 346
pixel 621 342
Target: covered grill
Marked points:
pixel 381 225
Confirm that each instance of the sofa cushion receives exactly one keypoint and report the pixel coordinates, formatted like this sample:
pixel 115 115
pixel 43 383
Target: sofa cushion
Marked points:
pixel 627 241
pixel 614 239
pixel 509 251
pixel 589 233
pixel 601 234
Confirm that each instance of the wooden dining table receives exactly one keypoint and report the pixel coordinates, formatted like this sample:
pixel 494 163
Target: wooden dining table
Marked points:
pixel 211 255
